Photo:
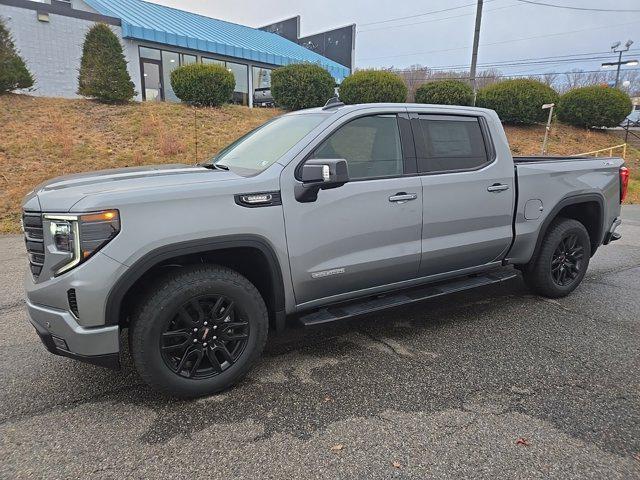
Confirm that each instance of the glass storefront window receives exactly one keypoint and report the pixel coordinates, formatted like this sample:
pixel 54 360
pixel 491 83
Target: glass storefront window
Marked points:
pixel 261 77
pixel 152 53
pixel 262 86
pixel 241 74
pixel 188 59
pixel 170 61
pixel 212 61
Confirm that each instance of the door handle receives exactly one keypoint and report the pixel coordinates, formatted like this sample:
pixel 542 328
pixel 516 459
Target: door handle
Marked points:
pixel 403 197
pixel 497 187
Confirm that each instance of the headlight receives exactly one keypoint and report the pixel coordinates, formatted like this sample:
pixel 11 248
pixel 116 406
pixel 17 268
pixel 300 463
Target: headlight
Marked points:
pixel 80 236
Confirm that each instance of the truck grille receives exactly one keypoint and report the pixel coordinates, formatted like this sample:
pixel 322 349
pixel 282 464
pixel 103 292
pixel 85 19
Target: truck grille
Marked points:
pixel 34 240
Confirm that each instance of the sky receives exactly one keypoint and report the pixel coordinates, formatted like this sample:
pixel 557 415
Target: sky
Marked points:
pixel 511 29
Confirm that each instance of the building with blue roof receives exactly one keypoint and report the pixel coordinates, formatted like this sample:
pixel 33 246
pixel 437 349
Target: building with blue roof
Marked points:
pixel 156 39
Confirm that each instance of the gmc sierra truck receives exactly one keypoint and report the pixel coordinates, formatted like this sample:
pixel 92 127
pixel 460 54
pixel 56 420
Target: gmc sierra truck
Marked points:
pixel 317 215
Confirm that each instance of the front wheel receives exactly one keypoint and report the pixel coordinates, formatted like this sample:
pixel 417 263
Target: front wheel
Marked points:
pixel 199 331
pixel 562 260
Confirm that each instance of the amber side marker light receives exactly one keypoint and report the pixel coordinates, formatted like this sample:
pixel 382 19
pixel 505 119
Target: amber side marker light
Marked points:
pixel 96 230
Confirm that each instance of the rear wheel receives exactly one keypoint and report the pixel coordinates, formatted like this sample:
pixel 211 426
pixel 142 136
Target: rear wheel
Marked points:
pixel 199 331
pixel 562 260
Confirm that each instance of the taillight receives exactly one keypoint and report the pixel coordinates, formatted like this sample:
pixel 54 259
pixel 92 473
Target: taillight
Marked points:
pixel 624 183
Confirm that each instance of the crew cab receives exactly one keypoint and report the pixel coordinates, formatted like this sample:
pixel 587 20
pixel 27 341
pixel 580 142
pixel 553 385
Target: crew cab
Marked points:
pixel 315 216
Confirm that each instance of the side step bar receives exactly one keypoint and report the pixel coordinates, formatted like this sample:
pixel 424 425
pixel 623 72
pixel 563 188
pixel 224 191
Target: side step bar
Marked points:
pixel 404 297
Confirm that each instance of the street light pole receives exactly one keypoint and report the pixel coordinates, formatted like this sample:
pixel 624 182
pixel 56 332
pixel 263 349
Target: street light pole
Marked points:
pixel 618 69
pixel 474 54
pixel 619 63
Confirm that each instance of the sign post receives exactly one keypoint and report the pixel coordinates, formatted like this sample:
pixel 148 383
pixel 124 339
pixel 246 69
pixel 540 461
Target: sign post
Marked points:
pixel 547 106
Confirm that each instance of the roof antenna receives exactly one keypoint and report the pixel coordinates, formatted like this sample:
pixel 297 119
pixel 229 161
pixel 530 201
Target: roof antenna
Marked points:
pixel 333 102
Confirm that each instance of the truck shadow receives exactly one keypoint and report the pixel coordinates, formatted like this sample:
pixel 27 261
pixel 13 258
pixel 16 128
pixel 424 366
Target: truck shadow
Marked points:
pixel 432 356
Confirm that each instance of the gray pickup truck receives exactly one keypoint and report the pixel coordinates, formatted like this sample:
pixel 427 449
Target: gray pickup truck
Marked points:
pixel 317 215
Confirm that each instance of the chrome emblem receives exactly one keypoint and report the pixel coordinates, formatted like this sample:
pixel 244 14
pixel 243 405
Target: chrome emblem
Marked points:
pixel 327 273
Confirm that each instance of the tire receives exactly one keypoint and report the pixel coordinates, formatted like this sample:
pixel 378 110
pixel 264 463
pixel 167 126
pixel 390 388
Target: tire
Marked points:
pixel 544 274
pixel 198 331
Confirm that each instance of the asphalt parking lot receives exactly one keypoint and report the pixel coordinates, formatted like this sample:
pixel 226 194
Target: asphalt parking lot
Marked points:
pixel 493 383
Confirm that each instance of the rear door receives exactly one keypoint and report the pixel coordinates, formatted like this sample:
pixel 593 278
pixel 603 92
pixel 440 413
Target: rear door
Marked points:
pixel 467 193
pixel 365 233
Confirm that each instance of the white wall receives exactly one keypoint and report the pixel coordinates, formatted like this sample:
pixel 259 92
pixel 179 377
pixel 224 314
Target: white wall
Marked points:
pixel 52 50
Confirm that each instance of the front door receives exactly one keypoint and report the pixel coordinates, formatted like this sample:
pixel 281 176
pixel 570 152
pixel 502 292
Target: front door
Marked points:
pixel 468 193
pixel 365 233
pixel 151 80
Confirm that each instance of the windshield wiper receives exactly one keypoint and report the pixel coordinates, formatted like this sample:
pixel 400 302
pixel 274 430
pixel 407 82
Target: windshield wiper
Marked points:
pixel 213 166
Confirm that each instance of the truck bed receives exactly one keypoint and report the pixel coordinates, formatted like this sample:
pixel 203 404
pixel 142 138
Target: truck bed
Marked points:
pixel 545 182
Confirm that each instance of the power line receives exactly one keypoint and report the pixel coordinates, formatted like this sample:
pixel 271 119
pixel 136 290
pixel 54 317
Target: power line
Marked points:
pixel 506 75
pixel 584 9
pixel 503 41
pixel 534 61
pixel 432 12
pixel 433 20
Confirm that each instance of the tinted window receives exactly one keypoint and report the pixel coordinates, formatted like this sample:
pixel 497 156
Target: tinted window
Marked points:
pixel 451 144
pixel 370 145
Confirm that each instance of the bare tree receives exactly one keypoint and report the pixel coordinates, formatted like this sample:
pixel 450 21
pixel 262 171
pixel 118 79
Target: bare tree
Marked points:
pixel 549 79
pixel 413 77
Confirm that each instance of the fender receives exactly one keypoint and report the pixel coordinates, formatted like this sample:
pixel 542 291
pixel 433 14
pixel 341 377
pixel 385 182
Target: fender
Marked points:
pixel 166 252
pixel 573 200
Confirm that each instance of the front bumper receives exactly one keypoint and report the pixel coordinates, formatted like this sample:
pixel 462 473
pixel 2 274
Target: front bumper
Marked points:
pixel 612 235
pixel 61 334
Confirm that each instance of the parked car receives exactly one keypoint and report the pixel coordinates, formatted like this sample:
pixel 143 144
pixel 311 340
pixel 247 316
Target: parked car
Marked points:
pixel 632 120
pixel 262 97
pixel 317 215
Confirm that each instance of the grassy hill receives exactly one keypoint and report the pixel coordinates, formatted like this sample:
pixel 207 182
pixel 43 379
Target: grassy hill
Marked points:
pixel 41 138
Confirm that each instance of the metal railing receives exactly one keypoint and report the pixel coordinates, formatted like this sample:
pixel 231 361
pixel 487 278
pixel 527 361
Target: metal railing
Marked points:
pixel 595 153
pixel 627 130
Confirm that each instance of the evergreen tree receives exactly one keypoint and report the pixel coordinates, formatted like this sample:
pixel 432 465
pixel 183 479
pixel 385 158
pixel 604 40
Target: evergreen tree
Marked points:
pixel 103 68
pixel 13 71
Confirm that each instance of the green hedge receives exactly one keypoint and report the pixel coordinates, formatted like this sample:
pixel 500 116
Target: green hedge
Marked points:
pixel 373 86
pixel 518 101
pixel 103 68
pixel 594 107
pixel 301 85
pixel 445 92
pixel 13 71
pixel 208 85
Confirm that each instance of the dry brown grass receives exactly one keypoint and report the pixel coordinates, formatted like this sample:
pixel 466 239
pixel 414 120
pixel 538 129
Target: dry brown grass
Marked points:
pixel 41 138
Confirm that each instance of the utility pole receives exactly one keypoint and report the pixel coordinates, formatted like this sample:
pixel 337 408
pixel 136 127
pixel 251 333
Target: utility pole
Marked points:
pixel 615 48
pixel 474 55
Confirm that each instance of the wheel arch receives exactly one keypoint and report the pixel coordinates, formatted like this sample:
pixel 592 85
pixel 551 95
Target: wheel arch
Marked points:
pixel 586 208
pixel 232 251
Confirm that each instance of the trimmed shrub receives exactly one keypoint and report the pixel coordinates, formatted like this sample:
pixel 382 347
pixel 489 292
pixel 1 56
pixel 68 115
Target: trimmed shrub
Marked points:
pixel 594 107
pixel 373 86
pixel 103 68
pixel 208 85
pixel 445 92
pixel 13 71
pixel 518 101
pixel 301 85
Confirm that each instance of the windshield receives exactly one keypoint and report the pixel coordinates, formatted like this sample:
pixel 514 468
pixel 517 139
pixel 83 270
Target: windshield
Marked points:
pixel 262 147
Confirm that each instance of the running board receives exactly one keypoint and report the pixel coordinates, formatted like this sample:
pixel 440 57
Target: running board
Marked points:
pixel 404 297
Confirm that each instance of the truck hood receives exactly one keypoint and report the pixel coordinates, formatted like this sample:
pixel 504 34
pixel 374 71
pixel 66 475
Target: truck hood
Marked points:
pixel 62 193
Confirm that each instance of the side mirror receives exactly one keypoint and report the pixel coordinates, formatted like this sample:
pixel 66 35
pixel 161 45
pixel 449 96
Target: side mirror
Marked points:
pixel 320 174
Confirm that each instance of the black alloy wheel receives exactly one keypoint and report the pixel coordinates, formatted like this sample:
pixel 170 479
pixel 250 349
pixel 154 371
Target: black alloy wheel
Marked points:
pixel 562 259
pixel 204 338
pixel 566 261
